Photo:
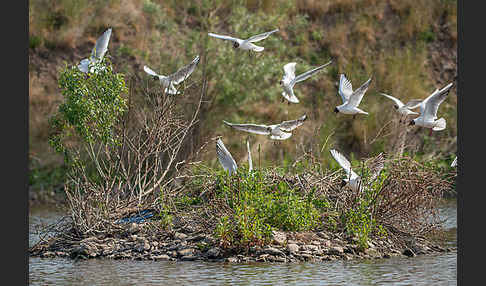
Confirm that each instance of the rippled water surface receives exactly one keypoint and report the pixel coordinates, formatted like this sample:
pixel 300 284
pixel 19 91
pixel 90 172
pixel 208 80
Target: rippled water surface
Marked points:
pixel 437 269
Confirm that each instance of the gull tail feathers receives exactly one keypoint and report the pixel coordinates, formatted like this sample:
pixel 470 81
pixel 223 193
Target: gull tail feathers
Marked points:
pixel 440 124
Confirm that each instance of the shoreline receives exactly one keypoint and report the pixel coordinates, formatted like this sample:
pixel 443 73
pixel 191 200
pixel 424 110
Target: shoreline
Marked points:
pixel 140 243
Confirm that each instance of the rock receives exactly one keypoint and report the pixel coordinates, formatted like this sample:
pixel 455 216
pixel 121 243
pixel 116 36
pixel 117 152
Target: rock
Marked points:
pixel 196 238
pixel 186 251
pixel 293 248
pixel 408 252
pixel 372 252
pixel 189 258
pixel 323 235
pixel 310 247
pixel 161 257
pixel 262 258
pixel 279 237
pixel 232 260
pixel 336 250
pixel 179 235
pixel 155 244
pixel 146 246
pixel 273 251
pixel 214 252
pixel 133 228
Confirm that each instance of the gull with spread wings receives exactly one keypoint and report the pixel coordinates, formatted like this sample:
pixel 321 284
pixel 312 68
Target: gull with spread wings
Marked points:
pixel 351 99
pixel 352 179
pixel 428 110
pixel 245 44
pixel 97 53
pixel 279 131
pixel 289 80
pixel 404 109
pixel 176 78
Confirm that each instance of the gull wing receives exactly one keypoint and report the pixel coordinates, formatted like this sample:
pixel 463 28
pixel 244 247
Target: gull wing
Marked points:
pixel 345 88
pixel 289 70
pixel 250 163
pixel 307 74
pixel 184 72
pixel 150 71
pixel 414 103
pixel 357 96
pixel 224 37
pixel 252 128
pixel 344 163
pixel 225 158
pixel 396 100
pixel 290 125
pixel 260 37
pixel 101 45
pixel 454 163
pixel 433 101
pixel 290 97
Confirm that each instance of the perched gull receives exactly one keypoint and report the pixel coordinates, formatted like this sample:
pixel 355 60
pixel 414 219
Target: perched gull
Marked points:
pixel 351 99
pixel 279 131
pixel 225 158
pixel 454 163
pixel 97 53
pixel 175 78
pixel 245 44
pixel 404 109
pixel 428 110
pixel 289 80
pixel 352 179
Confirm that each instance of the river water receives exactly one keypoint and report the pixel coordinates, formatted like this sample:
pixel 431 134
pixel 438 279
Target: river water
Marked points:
pixel 437 269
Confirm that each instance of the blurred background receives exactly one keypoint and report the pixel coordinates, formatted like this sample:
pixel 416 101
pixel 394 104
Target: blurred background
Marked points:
pixel 409 47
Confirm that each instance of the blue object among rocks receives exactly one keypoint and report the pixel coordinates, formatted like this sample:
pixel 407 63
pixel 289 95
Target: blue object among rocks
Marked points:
pixel 138 217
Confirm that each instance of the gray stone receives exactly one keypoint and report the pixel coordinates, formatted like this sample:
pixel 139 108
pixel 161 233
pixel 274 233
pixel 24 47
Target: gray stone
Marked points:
pixel 336 250
pixel 162 257
pixel 293 248
pixel 179 235
pixel 189 258
pixel 408 252
pixel 214 252
pixel 186 251
pixel 279 237
pixel 232 260
pixel 273 251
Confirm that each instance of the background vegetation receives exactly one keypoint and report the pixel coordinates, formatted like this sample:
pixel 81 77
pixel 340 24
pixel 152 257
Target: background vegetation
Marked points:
pixel 408 46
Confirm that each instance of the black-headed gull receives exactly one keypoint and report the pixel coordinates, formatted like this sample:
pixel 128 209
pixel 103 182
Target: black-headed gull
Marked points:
pixel 97 53
pixel 245 44
pixel 404 109
pixel 428 110
pixel 179 76
pixel 352 179
pixel 289 80
pixel 351 99
pixel 279 131
pixel 225 158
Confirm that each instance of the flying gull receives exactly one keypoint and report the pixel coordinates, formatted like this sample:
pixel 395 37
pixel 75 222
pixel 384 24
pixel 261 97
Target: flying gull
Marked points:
pixel 279 131
pixel 97 53
pixel 289 80
pixel 351 99
pixel 245 44
pixel 176 78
